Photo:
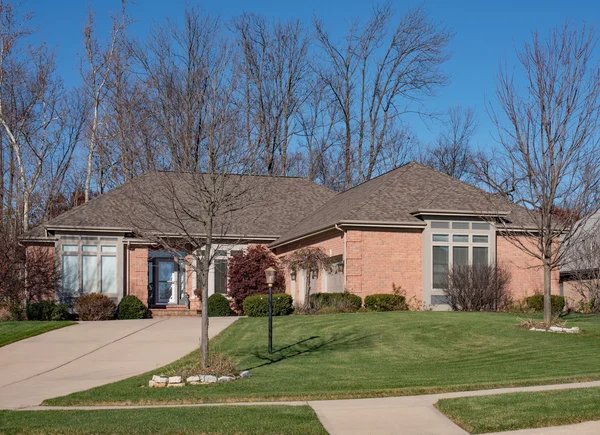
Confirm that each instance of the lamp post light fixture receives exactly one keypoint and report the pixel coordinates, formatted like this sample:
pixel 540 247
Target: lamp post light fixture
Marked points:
pixel 270 276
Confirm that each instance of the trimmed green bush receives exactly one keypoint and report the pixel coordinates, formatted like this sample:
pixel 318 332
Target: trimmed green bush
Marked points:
pixel 46 311
pixel 131 307
pixel 536 303
pixel 95 306
pixel 330 302
pixel 218 306
pixel 258 305
pixel 385 302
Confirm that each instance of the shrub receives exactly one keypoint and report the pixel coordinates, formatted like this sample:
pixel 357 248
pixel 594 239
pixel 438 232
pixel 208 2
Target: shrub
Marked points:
pixel 60 312
pixel 327 303
pixel 246 275
pixel 46 311
pixel 218 306
pixel 536 303
pixel 478 288
pixel 95 306
pixel 131 307
pixel 258 305
pixel 385 302
pixel 39 310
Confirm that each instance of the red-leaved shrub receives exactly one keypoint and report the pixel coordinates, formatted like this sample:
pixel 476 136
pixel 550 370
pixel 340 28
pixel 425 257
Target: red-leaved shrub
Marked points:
pixel 247 275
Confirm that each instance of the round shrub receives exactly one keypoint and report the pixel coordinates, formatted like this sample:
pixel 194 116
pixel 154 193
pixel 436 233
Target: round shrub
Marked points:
pixel 41 310
pixel 60 312
pixel 95 306
pixel 131 307
pixel 385 302
pixel 536 303
pixel 335 302
pixel 218 306
pixel 258 305
pixel 246 275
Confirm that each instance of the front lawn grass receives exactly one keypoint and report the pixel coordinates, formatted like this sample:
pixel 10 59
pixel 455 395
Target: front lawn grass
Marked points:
pixel 15 331
pixel 201 420
pixel 373 355
pixel 502 412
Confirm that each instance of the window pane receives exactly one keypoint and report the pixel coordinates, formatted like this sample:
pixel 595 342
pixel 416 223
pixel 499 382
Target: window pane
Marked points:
pixel 440 266
pixel 107 248
pixel 70 248
pixel 460 238
pixel 69 273
pixel 220 253
pixel 480 226
pixel 221 276
pixel 460 255
pixel 460 225
pixel 440 237
pixel 480 239
pixel 89 248
pixel 480 256
pixel 436 224
pixel 109 274
pixel 90 273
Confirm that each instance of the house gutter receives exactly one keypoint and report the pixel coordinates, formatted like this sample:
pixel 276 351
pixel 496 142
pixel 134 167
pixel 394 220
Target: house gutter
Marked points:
pixel 344 258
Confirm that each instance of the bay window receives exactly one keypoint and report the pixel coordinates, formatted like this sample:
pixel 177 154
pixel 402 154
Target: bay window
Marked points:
pixel 89 268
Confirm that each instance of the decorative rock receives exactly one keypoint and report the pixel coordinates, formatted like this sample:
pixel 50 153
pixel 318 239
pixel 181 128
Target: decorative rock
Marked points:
pixel 208 379
pixel 175 380
pixel 245 374
pixel 160 384
pixel 195 383
pixel 225 379
pixel 179 384
pixel 160 379
pixel 193 379
pixel 151 384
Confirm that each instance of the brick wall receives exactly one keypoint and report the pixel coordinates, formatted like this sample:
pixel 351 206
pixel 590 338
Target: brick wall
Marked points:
pixel 527 273
pixel 374 260
pixel 137 273
pixel 332 242
pixel 378 259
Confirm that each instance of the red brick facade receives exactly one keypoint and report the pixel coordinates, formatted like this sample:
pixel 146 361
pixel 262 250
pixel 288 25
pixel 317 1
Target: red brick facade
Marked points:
pixel 137 274
pixel 377 260
pixel 527 273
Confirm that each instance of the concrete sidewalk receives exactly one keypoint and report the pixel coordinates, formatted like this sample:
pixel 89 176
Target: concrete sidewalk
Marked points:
pixel 412 414
pixel 90 354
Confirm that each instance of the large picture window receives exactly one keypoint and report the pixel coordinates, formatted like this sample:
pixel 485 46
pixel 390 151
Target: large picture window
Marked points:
pixel 89 268
pixel 221 276
pixel 458 246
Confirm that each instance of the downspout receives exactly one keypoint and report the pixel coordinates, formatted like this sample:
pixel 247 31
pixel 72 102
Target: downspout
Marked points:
pixel 344 257
pixel 128 261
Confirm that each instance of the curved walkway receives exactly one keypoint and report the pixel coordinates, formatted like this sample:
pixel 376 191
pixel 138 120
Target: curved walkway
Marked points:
pixel 90 354
pixel 406 415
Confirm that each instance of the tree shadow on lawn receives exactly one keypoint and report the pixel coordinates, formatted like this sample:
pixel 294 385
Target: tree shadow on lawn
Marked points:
pixel 310 345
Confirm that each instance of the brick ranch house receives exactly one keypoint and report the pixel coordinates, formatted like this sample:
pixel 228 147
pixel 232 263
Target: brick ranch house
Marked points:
pixel 404 228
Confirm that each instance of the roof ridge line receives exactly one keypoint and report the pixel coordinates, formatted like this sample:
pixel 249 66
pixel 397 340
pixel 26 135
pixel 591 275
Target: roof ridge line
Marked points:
pixel 393 177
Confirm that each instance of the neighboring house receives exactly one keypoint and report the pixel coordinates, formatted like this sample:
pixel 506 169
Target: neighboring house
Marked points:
pixel 404 228
pixel 580 268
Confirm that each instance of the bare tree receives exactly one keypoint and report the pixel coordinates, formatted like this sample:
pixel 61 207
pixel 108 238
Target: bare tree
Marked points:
pixel 96 72
pixel 376 75
pixel 451 153
pixel 478 287
pixel 274 67
pixel 549 156
pixel 310 260
pixel 192 87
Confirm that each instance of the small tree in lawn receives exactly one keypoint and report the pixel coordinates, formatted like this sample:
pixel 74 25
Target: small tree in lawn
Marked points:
pixel 310 260
pixel 246 274
pixel 548 125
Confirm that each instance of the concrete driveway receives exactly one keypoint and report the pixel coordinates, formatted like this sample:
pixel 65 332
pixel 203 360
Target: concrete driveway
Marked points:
pixel 89 354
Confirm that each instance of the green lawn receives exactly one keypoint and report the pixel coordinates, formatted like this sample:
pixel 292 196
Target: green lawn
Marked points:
pixel 202 420
pixel 373 355
pixel 15 331
pixel 514 411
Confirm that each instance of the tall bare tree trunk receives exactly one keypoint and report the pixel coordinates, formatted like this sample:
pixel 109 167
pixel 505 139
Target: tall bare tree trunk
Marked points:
pixel 205 271
pixel 547 290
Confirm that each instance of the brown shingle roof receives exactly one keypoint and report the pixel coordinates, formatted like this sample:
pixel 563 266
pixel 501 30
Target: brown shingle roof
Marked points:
pixel 272 205
pixel 398 196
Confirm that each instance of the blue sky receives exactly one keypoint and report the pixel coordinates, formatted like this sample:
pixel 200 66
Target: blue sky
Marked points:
pixel 486 33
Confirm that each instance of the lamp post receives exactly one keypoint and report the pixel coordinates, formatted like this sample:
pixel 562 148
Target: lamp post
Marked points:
pixel 270 275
